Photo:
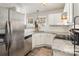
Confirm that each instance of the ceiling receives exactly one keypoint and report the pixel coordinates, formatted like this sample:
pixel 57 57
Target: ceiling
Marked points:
pixel 33 7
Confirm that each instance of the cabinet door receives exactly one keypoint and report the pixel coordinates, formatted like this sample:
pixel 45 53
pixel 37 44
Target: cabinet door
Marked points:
pixel 42 39
pixel 36 39
pixel 54 19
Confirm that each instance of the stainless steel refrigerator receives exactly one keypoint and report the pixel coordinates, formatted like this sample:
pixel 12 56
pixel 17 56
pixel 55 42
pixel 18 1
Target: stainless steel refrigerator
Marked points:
pixel 13 28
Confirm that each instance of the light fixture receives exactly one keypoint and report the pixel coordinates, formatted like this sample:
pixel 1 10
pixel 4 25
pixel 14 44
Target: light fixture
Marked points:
pixel 64 16
pixel 44 2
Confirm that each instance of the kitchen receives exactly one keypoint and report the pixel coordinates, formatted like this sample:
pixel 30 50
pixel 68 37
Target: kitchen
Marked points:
pixel 32 29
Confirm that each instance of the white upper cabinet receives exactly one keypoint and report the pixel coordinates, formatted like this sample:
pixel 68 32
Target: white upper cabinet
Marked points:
pixel 54 19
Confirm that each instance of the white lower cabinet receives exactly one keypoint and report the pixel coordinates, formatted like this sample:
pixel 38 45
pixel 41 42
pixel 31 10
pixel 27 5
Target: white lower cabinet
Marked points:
pixel 42 39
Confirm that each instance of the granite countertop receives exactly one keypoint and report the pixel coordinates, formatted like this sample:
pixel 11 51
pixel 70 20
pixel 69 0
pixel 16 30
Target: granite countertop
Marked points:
pixel 59 25
pixel 44 32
